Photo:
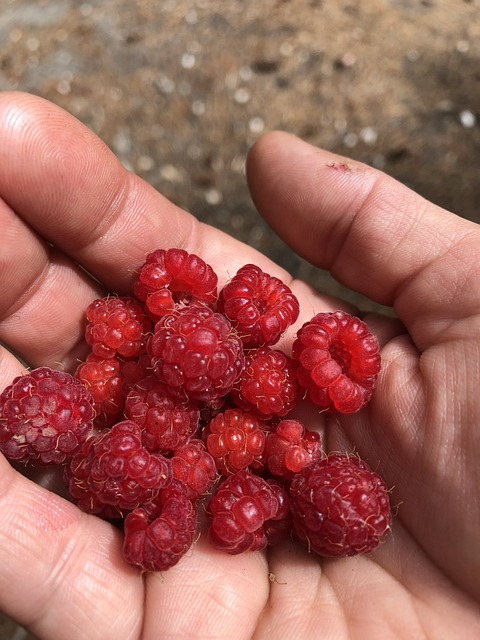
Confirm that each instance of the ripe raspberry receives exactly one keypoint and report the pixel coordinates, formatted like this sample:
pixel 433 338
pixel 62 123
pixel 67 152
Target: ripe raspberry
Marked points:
pixel 280 527
pixel 339 361
pixel 260 306
pixel 196 352
pixel 241 509
pixel 195 467
pixel 340 507
pixel 166 424
pixel 290 447
pixel 104 379
pixel 45 415
pixel 236 440
pixel 117 326
pixel 267 385
pixel 174 276
pixel 114 470
pixel 159 535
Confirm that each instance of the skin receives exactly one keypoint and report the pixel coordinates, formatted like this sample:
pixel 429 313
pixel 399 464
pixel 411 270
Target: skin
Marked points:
pixel 66 201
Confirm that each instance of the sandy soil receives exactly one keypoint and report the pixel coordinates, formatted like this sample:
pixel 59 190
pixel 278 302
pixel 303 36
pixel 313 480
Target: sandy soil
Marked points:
pixel 180 90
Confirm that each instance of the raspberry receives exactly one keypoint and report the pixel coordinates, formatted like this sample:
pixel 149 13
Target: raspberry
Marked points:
pixel 280 527
pixel 290 447
pixel 339 361
pixel 195 467
pixel 166 424
pixel 104 379
pixel 117 326
pixel 174 276
pixel 240 511
pixel 136 370
pixel 260 306
pixel 236 440
pixel 45 415
pixel 114 470
pixel 195 351
pixel 267 385
pixel 340 506
pixel 158 536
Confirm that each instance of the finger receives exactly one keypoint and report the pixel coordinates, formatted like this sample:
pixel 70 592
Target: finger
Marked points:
pixel 44 297
pixel 63 575
pixel 69 187
pixel 374 235
pixel 208 594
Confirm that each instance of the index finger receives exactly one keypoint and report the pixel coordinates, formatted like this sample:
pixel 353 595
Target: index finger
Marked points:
pixel 68 186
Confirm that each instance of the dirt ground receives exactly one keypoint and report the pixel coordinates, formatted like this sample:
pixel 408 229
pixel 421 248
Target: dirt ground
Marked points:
pixel 180 90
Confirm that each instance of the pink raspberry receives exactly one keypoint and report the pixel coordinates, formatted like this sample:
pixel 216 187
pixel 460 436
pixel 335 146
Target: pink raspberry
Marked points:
pixel 104 380
pixel 340 506
pixel 114 473
pixel 267 385
pixel 159 535
pixel 166 423
pixel 339 361
pixel 196 352
pixel 260 306
pixel 236 440
pixel 117 326
pixel 174 276
pixel 195 467
pixel 242 509
pixel 290 447
pixel 45 415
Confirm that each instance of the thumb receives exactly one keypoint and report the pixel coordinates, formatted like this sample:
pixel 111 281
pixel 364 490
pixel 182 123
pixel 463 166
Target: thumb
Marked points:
pixel 373 234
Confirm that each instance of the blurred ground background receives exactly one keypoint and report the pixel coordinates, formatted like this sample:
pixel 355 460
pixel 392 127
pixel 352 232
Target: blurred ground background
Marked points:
pixel 180 90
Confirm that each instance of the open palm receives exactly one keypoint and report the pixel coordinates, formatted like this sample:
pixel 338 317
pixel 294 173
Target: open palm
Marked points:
pixel 69 209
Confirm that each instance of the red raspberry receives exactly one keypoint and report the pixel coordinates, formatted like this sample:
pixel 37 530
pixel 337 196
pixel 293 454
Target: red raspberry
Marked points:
pixel 136 370
pixel 174 276
pixel 340 507
pixel 236 440
pixel 195 351
pixel 117 326
pixel 267 385
pixel 166 424
pixel 195 467
pixel 240 511
pixel 290 447
pixel 260 306
pixel 158 536
pixel 105 381
pixel 339 361
pixel 115 470
pixel 280 527
pixel 45 415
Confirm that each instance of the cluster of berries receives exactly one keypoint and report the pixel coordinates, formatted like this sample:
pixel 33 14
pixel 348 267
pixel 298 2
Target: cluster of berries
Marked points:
pixel 184 397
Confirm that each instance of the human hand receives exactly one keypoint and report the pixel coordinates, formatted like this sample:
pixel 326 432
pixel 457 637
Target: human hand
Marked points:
pixel 67 201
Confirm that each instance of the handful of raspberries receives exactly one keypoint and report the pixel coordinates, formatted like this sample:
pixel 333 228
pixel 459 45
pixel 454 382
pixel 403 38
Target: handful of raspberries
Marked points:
pixel 185 399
